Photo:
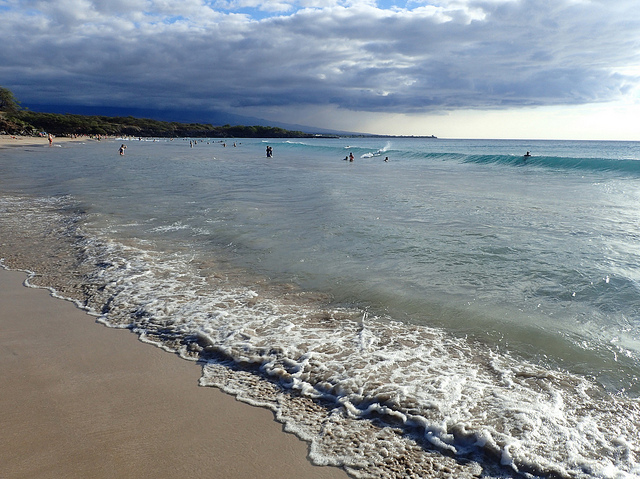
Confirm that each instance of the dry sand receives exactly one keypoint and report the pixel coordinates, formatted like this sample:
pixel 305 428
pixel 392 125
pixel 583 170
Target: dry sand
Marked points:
pixel 80 400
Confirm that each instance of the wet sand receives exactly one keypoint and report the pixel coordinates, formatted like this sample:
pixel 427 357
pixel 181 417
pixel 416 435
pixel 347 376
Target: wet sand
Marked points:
pixel 79 400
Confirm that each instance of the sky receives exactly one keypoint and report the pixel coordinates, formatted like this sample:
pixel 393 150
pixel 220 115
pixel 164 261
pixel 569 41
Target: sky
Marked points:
pixel 530 69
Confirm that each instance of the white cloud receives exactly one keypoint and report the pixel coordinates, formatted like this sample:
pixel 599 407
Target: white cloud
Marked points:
pixel 351 54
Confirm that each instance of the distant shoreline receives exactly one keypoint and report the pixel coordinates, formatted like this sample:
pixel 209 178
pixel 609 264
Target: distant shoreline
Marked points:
pixel 29 123
pixel 10 141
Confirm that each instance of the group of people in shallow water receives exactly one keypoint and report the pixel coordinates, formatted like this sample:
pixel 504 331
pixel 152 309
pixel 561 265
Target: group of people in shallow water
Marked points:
pixel 350 158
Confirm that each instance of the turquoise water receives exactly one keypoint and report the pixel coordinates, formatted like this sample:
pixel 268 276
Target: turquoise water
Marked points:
pixel 459 296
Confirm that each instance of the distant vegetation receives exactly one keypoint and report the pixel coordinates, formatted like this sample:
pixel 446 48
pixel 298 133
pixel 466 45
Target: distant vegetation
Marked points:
pixel 67 125
pixel 17 121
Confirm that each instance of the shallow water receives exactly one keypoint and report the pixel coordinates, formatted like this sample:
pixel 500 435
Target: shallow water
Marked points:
pixel 459 310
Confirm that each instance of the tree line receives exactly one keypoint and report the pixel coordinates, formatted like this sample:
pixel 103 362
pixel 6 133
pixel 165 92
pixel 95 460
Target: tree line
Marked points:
pixel 15 120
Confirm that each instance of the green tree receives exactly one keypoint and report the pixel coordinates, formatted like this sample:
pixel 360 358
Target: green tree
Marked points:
pixel 8 102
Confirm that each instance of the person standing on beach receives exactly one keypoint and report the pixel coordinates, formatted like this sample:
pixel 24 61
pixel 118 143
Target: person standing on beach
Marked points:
pixel 50 139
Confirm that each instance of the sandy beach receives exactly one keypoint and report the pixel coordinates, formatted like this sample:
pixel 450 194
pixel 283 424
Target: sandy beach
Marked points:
pixel 80 400
pixel 7 141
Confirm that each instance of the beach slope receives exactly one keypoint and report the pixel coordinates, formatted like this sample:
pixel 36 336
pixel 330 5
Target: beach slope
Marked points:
pixel 81 400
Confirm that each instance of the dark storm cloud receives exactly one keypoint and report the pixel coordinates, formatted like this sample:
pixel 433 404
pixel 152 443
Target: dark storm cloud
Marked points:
pixel 453 55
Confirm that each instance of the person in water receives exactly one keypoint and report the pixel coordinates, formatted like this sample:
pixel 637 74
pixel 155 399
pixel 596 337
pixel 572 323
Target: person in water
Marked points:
pixel 122 148
pixel 350 156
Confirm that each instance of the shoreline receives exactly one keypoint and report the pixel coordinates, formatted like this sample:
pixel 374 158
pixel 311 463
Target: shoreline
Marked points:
pixel 79 399
pixel 11 141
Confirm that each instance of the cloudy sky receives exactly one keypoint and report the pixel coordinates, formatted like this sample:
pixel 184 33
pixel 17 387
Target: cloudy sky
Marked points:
pixel 454 68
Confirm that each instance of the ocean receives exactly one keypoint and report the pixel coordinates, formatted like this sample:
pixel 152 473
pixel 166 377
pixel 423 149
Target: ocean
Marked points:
pixel 458 311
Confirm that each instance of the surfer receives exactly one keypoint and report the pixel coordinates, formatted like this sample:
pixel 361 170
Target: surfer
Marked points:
pixel 527 154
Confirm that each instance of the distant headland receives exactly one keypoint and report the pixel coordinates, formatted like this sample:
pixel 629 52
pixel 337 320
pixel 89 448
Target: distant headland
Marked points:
pixel 15 120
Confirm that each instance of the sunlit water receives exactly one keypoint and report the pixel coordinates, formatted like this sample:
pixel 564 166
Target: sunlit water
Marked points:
pixel 458 310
